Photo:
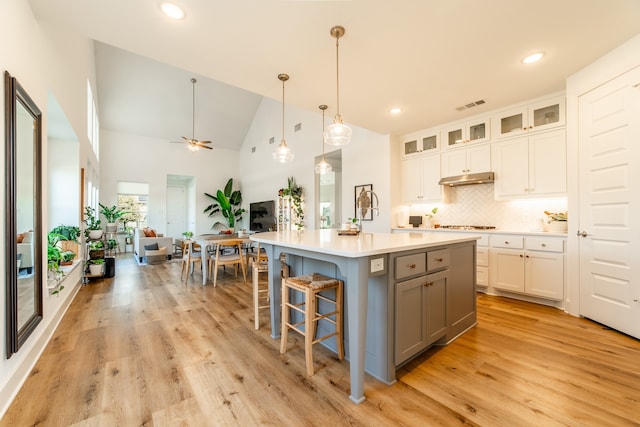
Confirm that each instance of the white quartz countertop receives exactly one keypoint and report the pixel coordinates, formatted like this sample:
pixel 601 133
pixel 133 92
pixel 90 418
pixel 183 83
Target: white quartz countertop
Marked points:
pixel 480 232
pixel 364 244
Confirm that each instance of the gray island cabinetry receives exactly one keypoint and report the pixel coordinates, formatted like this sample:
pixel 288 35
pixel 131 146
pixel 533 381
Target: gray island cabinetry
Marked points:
pixel 403 292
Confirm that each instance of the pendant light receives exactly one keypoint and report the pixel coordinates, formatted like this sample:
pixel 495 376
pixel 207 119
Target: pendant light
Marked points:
pixel 322 166
pixel 338 133
pixel 283 153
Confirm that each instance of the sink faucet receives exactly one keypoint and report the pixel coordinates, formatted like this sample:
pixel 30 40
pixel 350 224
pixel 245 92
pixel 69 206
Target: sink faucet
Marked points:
pixel 365 202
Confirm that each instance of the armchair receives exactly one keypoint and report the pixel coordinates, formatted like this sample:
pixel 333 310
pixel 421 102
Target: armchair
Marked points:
pixel 140 241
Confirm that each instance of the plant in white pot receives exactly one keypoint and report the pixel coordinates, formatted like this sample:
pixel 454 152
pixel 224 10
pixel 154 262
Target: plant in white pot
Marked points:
pixel 557 221
pixel 93 228
pixel 95 266
pixel 112 215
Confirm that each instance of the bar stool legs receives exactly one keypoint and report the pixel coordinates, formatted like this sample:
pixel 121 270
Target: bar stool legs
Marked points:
pixel 311 286
pixel 258 292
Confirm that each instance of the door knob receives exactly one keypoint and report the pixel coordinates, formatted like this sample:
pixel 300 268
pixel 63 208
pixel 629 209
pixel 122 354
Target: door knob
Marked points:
pixel 581 233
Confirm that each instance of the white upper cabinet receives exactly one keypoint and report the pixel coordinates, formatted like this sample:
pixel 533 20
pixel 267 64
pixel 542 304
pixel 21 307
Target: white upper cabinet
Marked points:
pixel 529 118
pixel 534 165
pixel 470 160
pixel 468 132
pixel 420 177
pixel 427 141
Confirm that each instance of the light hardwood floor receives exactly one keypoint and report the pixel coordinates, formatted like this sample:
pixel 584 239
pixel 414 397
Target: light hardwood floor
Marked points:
pixel 145 348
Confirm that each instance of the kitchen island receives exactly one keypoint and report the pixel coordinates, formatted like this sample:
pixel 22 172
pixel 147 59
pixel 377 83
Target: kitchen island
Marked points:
pixel 376 268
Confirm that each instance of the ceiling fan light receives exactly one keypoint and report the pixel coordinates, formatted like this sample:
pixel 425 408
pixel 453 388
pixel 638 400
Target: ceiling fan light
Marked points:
pixel 283 153
pixel 192 147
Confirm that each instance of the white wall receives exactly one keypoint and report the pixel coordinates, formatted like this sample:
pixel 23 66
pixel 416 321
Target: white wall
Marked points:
pixel 43 61
pixel 366 160
pixel 134 158
pixel 63 183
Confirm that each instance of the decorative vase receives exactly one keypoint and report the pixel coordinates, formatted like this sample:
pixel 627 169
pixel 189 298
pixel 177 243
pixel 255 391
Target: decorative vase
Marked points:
pixel 112 227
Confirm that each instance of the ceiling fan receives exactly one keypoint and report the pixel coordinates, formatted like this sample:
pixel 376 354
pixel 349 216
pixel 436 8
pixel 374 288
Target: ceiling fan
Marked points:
pixel 192 143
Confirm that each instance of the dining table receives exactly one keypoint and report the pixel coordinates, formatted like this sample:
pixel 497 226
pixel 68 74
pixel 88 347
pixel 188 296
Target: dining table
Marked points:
pixel 205 240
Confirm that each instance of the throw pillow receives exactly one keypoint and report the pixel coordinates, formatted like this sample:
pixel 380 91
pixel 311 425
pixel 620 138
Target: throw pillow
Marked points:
pixel 153 247
pixel 149 232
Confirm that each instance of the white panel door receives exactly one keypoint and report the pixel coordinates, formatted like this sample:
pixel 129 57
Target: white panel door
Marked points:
pixel 609 138
pixel 176 211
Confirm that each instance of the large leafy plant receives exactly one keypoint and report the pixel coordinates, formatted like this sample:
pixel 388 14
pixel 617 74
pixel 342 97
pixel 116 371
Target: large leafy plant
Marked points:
pixel 228 203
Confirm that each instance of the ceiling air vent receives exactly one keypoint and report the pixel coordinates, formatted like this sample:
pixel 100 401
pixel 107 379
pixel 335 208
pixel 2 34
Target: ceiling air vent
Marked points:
pixel 297 127
pixel 471 105
pixel 253 149
pixel 272 140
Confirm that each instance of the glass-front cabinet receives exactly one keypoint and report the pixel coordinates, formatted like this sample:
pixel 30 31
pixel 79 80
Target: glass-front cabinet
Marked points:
pixel 542 115
pixel 473 131
pixel 427 141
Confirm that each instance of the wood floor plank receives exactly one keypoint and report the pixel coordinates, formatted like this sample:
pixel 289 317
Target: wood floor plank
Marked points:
pixel 145 348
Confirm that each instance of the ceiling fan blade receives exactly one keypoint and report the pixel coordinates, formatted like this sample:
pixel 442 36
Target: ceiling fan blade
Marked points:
pixel 204 142
pixel 204 146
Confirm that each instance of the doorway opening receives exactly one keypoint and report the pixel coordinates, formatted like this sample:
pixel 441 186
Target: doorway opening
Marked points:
pixel 329 192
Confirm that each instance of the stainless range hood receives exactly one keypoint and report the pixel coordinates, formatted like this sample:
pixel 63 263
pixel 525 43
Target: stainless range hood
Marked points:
pixel 472 178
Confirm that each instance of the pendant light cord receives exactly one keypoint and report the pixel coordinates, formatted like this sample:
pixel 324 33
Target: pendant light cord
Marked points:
pixel 283 110
pixel 193 110
pixel 337 76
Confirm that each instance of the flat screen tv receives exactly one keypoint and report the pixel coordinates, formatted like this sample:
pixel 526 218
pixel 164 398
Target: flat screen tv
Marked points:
pixel 262 216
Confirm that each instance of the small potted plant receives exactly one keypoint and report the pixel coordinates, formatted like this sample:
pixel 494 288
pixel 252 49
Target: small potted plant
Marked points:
pixel 187 235
pixel 54 257
pixel 93 228
pixel 431 217
pixel 95 266
pixel 557 221
pixel 111 214
pixel 69 237
pixel 112 245
pixel 96 249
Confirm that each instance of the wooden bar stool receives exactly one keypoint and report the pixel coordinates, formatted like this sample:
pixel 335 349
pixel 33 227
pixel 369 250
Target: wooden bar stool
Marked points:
pixel 258 267
pixel 311 286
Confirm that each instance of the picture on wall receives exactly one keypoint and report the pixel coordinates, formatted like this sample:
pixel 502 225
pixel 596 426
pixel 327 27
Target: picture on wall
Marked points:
pixel 362 202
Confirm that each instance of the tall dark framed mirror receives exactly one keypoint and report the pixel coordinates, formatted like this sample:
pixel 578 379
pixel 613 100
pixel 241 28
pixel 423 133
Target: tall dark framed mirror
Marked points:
pixel 23 209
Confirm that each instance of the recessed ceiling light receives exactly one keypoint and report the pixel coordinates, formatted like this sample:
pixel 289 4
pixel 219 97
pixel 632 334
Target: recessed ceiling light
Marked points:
pixel 395 110
pixel 534 57
pixel 172 10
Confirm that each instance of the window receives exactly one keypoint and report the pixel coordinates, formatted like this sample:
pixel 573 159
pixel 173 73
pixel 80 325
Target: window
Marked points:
pixel 93 124
pixel 133 197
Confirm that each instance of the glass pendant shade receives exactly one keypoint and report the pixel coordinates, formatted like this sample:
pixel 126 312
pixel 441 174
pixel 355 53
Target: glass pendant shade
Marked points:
pixel 283 153
pixel 323 167
pixel 338 133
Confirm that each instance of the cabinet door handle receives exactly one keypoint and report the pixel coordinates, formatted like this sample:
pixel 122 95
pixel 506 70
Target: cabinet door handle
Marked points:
pixel 412 266
pixel 582 233
pixel 527 256
pixel 427 284
pixel 506 242
pixel 520 255
pixel 544 245
pixel 439 259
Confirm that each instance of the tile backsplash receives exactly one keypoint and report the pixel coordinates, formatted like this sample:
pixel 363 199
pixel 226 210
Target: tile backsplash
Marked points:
pixel 475 205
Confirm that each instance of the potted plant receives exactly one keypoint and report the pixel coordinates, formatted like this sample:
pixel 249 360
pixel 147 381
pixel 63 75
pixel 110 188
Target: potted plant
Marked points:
pixel 294 191
pixel 228 202
pixel 111 214
pixel 112 245
pixel 557 221
pixel 96 249
pixel 69 237
pixel 95 266
pixel 187 234
pixel 93 229
pixel 54 257
pixel 431 216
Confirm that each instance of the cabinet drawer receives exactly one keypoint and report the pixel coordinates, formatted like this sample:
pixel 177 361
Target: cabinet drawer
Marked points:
pixel 437 259
pixel 410 265
pixel 544 244
pixel 482 256
pixel 512 242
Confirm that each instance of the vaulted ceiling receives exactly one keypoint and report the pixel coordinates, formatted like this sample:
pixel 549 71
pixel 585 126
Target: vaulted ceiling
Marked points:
pixel 427 57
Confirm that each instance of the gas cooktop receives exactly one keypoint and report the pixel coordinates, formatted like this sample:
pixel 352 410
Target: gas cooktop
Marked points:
pixel 469 227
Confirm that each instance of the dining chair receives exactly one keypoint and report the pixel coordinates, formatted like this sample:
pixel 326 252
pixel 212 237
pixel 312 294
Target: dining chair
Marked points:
pixel 191 254
pixel 222 257
pixel 258 256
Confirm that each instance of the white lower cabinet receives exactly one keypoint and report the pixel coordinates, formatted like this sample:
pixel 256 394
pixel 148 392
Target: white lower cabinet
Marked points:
pixel 482 262
pixel 528 265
